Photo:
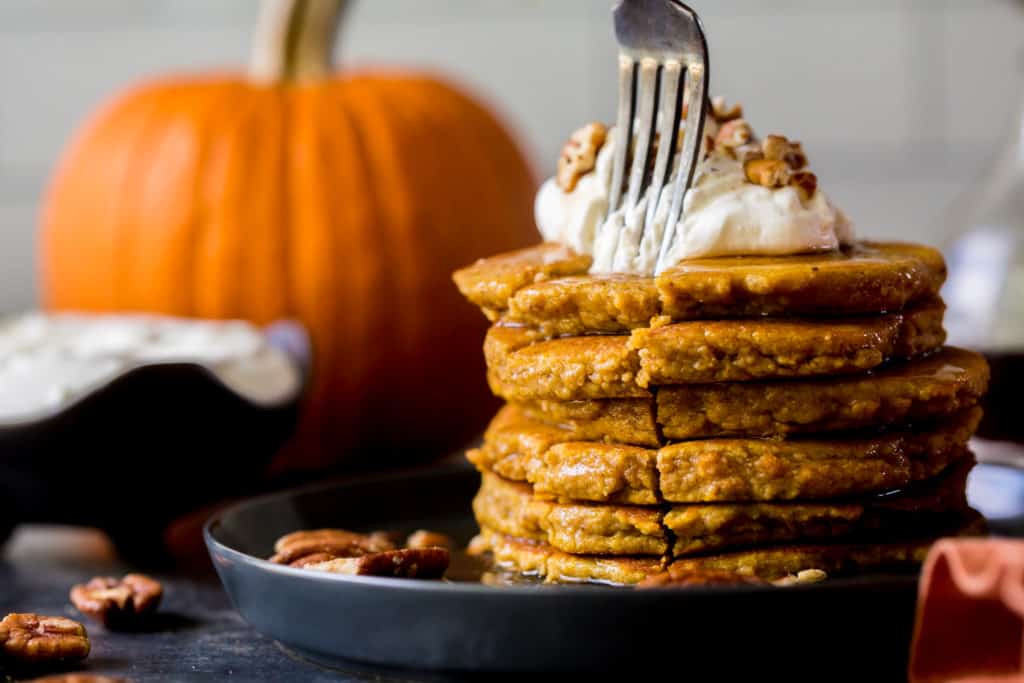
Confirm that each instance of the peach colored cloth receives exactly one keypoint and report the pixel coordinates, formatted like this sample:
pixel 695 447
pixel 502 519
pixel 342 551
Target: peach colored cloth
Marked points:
pixel 970 613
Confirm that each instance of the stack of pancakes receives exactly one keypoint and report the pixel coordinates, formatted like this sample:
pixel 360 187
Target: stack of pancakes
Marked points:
pixel 752 415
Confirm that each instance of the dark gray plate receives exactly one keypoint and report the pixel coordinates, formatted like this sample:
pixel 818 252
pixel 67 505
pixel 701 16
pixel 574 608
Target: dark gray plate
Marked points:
pixel 860 627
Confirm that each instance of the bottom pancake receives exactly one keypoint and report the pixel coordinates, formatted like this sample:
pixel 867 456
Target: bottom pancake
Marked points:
pixel 539 559
pixel 682 530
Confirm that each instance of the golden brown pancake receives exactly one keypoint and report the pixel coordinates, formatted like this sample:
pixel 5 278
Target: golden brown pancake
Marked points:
pixel 521 368
pixel 620 420
pixel 564 369
pixel 521 449
pixel 490 283
pixel 604 529
pixel 744 350
pixel 547 287
pixel 920 391
pixel 510 507
pixel 837 559
pixel 709 470
pixel 936 386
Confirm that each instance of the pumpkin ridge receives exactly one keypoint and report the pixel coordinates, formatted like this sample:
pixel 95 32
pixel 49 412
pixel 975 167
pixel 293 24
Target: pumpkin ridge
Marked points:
pixel 73 286
pixel 213 126
pixel 221 229
pixel 130 292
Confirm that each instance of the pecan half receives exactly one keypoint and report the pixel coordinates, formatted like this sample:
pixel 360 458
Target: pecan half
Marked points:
pixel 767 172
pixel 428 539
pixel 702 578
pixel 579 155
pixel 118 603
pixel 35 639
pixel 409 563
pixel 336 542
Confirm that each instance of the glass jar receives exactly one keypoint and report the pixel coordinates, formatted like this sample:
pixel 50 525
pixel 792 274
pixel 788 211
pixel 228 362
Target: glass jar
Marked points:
pixel 985 289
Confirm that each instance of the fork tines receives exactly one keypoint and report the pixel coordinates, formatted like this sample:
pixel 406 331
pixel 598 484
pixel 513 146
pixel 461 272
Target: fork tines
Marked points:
pixel 660 40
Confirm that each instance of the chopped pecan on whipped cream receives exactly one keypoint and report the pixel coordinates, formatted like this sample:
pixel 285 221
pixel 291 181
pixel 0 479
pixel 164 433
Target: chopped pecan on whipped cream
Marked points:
pixel 579 154
pixel 734 134
pixel 768 172
pixel 723 113
pixel 749 196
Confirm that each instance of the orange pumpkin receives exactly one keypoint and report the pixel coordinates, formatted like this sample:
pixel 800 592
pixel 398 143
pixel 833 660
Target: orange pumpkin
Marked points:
pixel 344 201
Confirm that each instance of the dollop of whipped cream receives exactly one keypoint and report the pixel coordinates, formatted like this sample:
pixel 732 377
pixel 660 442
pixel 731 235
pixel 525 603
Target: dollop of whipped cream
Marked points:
pixel 724 214
pixel 49 361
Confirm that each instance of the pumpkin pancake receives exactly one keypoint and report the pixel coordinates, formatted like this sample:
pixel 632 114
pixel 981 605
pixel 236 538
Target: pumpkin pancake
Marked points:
pixel 936 386
pixel 922 390
pixel 566 369
pixel 869 277
pixel 510 507
pixel 744 350
pixel 838 559
pixel 710 470
pixel 547 287
pixel 587 304
pixel 701 528
pixel 707 470
pixel 581 528
pixel 623 420
pixel 521 368
pixel 521 449
pixel 490 283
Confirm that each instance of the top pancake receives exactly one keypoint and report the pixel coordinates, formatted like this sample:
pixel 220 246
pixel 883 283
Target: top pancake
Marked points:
pixel 547 287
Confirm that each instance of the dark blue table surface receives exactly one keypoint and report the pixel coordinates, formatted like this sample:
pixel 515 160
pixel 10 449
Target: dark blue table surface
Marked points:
pixel 199 636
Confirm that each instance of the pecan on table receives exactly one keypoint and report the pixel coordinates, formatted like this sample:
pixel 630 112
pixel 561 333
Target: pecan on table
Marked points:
pixel 118 603
pixel 34 639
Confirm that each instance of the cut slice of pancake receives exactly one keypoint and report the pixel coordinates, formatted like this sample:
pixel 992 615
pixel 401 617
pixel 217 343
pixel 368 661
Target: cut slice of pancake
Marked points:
pixel 711 470
pixel 623 420
pixel 491 282
pixel 586 304
pixel 936 386
pixel 547 287
pixel 566 369
pixel 521 449
pixel 838 559
pixel 511 508
pixel 522 367
pixel 587 528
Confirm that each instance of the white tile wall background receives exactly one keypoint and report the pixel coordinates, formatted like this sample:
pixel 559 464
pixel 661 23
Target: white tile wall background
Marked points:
pixel 899 102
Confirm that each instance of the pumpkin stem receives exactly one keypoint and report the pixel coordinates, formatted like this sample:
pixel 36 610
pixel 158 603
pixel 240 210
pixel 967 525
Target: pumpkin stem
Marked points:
pixel 294 40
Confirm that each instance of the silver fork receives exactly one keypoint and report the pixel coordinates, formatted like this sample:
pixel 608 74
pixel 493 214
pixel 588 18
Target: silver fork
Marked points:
pixel 658 37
